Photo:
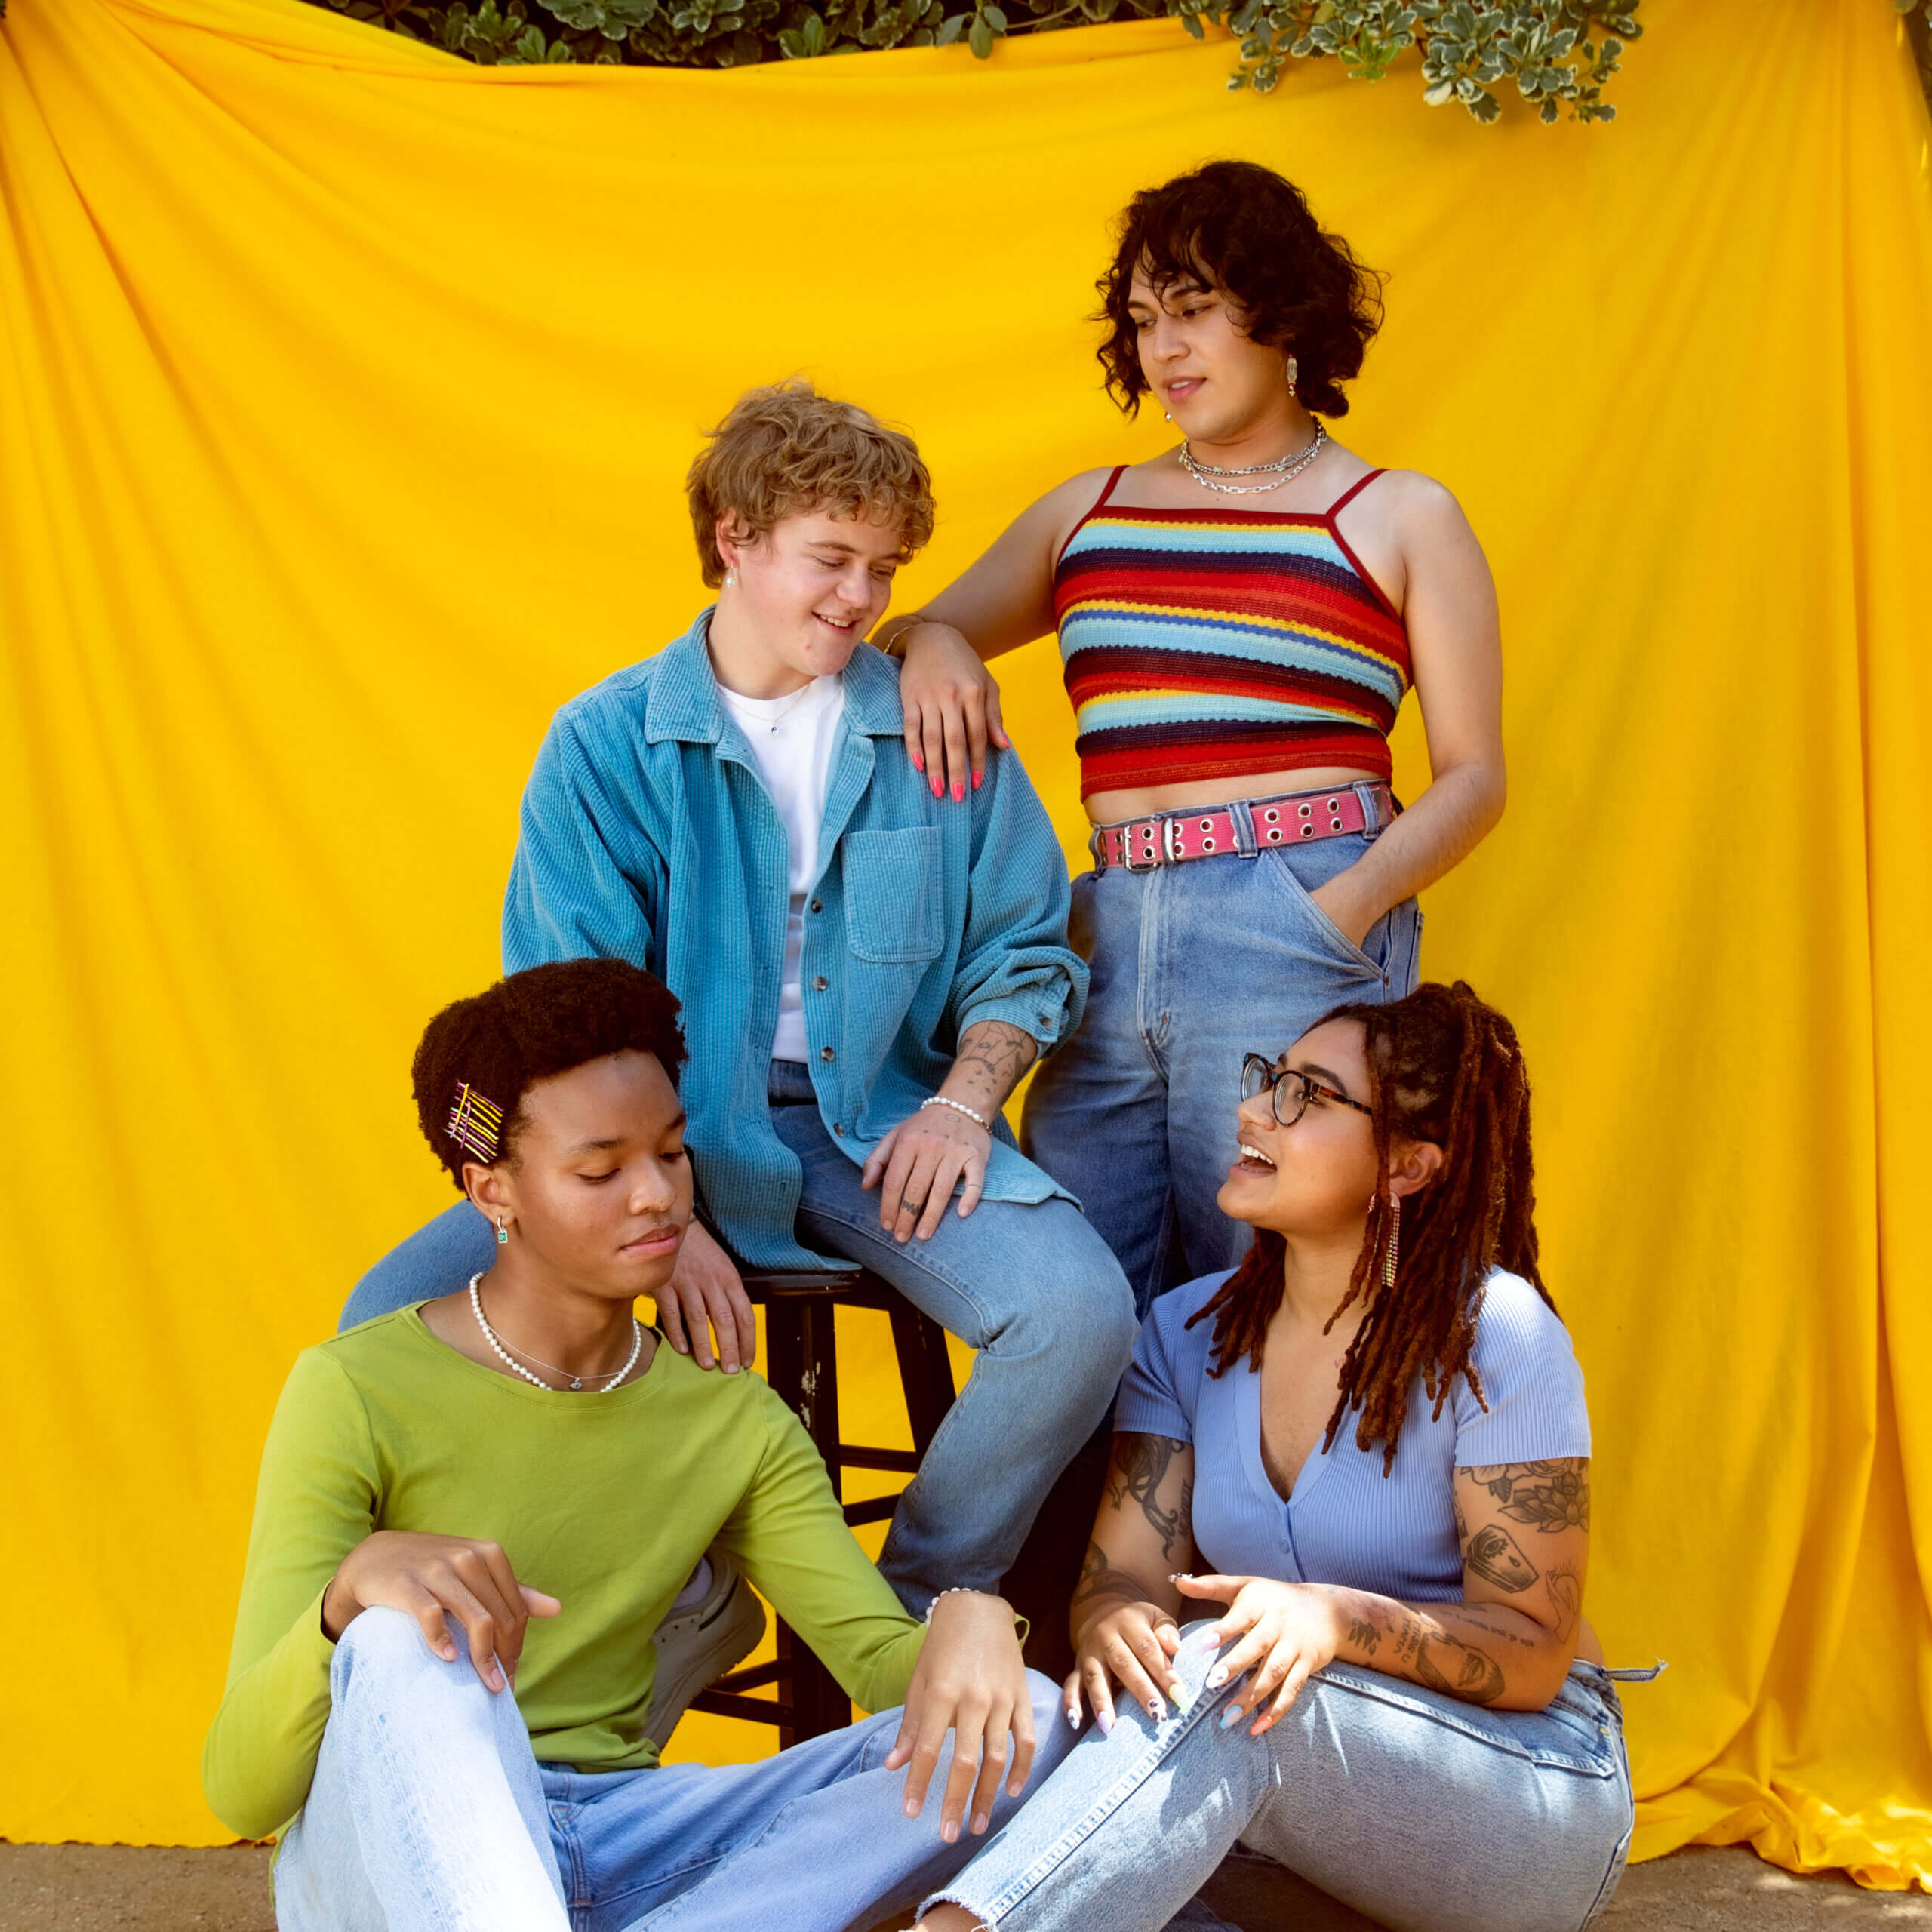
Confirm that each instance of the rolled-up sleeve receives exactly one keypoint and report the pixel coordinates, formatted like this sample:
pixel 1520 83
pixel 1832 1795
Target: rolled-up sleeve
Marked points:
pixel 578 887
pixel 1014 962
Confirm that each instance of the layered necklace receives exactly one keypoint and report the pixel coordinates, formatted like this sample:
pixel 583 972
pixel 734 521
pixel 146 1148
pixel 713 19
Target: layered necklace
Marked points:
pixel 491 1335
pixel 1283 470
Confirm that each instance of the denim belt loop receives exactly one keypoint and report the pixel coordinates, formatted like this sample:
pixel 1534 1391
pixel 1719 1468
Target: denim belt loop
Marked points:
pixel 1241 814
pixel 1372 827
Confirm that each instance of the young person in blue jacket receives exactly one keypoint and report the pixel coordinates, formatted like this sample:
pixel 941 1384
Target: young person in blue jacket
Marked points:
pixel 865 975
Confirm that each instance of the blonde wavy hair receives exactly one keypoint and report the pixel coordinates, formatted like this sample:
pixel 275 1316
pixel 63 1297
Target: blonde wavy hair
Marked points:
pixel 786 451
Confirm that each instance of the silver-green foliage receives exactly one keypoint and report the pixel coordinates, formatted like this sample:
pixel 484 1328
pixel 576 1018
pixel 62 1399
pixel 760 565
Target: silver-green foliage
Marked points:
pixel 1558 54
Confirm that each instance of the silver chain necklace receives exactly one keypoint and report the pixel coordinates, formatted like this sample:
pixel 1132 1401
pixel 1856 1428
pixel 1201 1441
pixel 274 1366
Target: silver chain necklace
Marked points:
pixel 516 1367
pixel 1283 469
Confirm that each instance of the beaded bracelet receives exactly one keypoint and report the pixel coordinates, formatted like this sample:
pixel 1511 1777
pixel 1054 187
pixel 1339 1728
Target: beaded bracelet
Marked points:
pixel 957 1590
pixel 958 1107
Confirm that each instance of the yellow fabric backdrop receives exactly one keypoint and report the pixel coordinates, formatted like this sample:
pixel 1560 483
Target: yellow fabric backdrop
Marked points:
pixel 345 392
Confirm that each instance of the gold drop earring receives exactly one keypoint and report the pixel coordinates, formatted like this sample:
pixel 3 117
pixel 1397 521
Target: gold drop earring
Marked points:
pixel 1394 1242
pixel 1293 370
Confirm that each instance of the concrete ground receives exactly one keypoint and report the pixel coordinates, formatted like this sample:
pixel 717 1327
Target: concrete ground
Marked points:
pixel 92 1888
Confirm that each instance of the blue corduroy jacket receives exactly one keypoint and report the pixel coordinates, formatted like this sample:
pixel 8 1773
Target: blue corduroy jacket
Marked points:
pixel 648 835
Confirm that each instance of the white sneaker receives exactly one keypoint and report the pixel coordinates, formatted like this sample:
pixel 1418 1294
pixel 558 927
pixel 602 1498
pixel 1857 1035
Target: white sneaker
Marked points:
pixel 709 1631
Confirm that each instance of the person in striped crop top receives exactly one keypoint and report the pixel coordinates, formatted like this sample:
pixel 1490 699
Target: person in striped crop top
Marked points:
pixel 1370 1439
pixel 1239 620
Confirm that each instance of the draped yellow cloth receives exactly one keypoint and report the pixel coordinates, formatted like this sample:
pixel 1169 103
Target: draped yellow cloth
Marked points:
pixel 345 394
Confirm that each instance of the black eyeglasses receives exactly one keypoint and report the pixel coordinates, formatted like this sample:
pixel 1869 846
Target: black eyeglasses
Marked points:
pixel 1293 1090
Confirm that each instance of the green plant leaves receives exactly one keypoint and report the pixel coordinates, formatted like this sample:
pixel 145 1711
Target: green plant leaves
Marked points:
pixel 1557 54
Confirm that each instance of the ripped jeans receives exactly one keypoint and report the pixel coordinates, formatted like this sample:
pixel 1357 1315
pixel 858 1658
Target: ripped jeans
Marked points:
pixel 1424 1812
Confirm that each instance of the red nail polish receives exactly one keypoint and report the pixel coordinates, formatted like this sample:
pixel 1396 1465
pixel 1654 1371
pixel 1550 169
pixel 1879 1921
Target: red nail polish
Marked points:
pixel 978 777
pixel 936 785
pixel 958 792
pixel 918 763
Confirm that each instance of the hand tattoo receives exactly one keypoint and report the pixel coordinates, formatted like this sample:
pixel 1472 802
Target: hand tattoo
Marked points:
pixel 1139 1467
pixel 1098 1578
pixel 1552 1495
pixel 1497 1558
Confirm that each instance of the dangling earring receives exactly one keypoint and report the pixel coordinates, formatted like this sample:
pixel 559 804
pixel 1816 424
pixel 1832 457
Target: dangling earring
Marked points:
pixel 1294 370
pixel 1394 1242
pixel 730 579
pixel 1166 416
pixel 502 1233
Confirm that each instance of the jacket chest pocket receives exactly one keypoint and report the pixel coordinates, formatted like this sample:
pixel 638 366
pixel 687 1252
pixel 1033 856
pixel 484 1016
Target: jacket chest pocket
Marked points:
pixel 895 911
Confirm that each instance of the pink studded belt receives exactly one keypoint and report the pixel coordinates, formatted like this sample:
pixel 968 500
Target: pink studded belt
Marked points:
pixel 1215 831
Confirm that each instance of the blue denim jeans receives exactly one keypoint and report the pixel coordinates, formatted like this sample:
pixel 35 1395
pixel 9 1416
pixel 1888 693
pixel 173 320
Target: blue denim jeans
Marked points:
pixel 1426 1814
pixel 428 1812
pixel 1193 965
pixel 1031 1287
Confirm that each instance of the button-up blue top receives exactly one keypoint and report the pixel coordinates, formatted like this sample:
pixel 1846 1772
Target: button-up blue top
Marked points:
pixel 648 835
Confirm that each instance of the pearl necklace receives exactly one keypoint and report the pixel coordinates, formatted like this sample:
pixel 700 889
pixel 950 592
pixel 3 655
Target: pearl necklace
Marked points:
pixel 1283 471
pixel 536 1381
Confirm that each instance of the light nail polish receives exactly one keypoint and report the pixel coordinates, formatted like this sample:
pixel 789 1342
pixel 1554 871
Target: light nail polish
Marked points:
pixel 1231 1717
pixel 1180 1696
pixel 1073 1719
pixel 1217 1677
pixel 1105 1719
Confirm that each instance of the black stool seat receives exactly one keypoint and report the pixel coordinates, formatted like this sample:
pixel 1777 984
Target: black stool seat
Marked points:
pixel 801 1364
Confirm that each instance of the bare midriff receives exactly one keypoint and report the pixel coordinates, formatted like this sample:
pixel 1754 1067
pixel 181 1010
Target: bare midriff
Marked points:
pixel 1149 800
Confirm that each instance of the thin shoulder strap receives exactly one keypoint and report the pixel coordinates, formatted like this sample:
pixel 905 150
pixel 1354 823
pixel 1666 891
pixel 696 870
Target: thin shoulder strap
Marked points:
pixel 1092 511
pixel 1349 495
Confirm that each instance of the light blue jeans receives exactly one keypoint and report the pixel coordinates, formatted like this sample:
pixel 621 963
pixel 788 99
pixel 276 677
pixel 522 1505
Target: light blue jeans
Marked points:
pixel 429 1814
pixel 1031 1287
pixel 1426 1814
pixel 1193 965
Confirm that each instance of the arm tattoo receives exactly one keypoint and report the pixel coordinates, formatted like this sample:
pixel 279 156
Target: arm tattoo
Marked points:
pixel 1566 1597
pixel 1098 1578
pixel 993 1055
pixel 1139 1467
pixel 1436 1658
pixel 1497 1558
pixel 1365 1637
pixel 1553 1495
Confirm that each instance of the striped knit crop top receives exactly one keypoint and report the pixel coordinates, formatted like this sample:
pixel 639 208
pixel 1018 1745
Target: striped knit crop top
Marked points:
pixel 1218 643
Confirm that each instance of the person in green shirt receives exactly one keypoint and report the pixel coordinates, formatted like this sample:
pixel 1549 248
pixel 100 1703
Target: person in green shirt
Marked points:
pixel 473 1513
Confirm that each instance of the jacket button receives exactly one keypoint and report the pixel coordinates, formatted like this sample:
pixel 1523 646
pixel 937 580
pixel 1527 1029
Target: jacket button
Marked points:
pixel 837 1130
pixel 825 1052
pixel 818 905
pixel 819 982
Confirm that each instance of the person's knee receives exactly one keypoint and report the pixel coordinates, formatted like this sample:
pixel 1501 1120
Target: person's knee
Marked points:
pixel 381 1649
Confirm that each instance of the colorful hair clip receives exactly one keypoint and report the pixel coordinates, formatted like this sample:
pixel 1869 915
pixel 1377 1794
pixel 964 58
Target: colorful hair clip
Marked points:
pixel 475 1123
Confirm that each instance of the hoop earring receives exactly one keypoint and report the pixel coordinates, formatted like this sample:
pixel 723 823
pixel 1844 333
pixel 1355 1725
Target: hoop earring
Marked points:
pixel 1394 1242
pixel 502 1233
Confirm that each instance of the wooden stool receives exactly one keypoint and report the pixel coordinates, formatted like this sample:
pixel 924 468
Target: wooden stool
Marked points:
pixel 802 1362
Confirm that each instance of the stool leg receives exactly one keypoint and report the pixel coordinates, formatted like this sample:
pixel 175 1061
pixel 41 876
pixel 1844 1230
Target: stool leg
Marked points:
pixel 925 1371
pixel 801 1355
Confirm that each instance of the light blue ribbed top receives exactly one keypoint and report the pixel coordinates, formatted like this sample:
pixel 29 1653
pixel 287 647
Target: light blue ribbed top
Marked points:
pixel 1347 1523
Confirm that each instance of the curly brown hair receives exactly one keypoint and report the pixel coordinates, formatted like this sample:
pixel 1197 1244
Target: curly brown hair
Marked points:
pixel 530 1026
pixel 786 451
pixel 1443 1066
pixel 1246 231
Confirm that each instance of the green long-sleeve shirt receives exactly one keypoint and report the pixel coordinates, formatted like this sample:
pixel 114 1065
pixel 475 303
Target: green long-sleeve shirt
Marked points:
pixel 606 1501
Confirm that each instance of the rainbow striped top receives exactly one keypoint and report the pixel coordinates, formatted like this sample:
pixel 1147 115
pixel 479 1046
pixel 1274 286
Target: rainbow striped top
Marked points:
pixel 1220 643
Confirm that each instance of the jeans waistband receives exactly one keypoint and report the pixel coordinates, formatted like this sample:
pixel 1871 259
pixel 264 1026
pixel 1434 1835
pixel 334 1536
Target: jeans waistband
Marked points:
pixel 787 1083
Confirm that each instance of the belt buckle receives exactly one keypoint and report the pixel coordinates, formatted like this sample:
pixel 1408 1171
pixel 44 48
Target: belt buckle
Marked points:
pixel 1126 848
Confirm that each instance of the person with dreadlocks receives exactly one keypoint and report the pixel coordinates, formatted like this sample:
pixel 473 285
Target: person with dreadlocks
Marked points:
pixel 1372 1432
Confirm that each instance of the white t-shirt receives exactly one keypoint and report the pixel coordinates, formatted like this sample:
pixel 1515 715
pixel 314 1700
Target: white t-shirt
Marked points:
pixel 792 739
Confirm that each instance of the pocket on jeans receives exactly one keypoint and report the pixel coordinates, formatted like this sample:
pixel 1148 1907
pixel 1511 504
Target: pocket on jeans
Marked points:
pixel 1334 942
pixel 895 911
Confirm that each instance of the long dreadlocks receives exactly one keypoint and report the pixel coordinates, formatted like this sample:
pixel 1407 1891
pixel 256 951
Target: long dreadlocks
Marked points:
pixel 1444 1067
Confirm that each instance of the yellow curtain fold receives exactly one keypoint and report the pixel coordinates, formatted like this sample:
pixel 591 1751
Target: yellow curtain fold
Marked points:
pixel 345 394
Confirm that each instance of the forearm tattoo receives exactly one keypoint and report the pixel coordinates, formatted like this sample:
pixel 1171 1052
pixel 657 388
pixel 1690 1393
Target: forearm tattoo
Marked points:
pixel 1138 1468
pixel 1430 1653
pixel 992 1056
pixel 1554 1495
pixel 1098 1578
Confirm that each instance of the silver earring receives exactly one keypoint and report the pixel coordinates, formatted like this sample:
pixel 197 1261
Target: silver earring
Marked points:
pixel 1166 416
pixel 730 579
pixel 502 1233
